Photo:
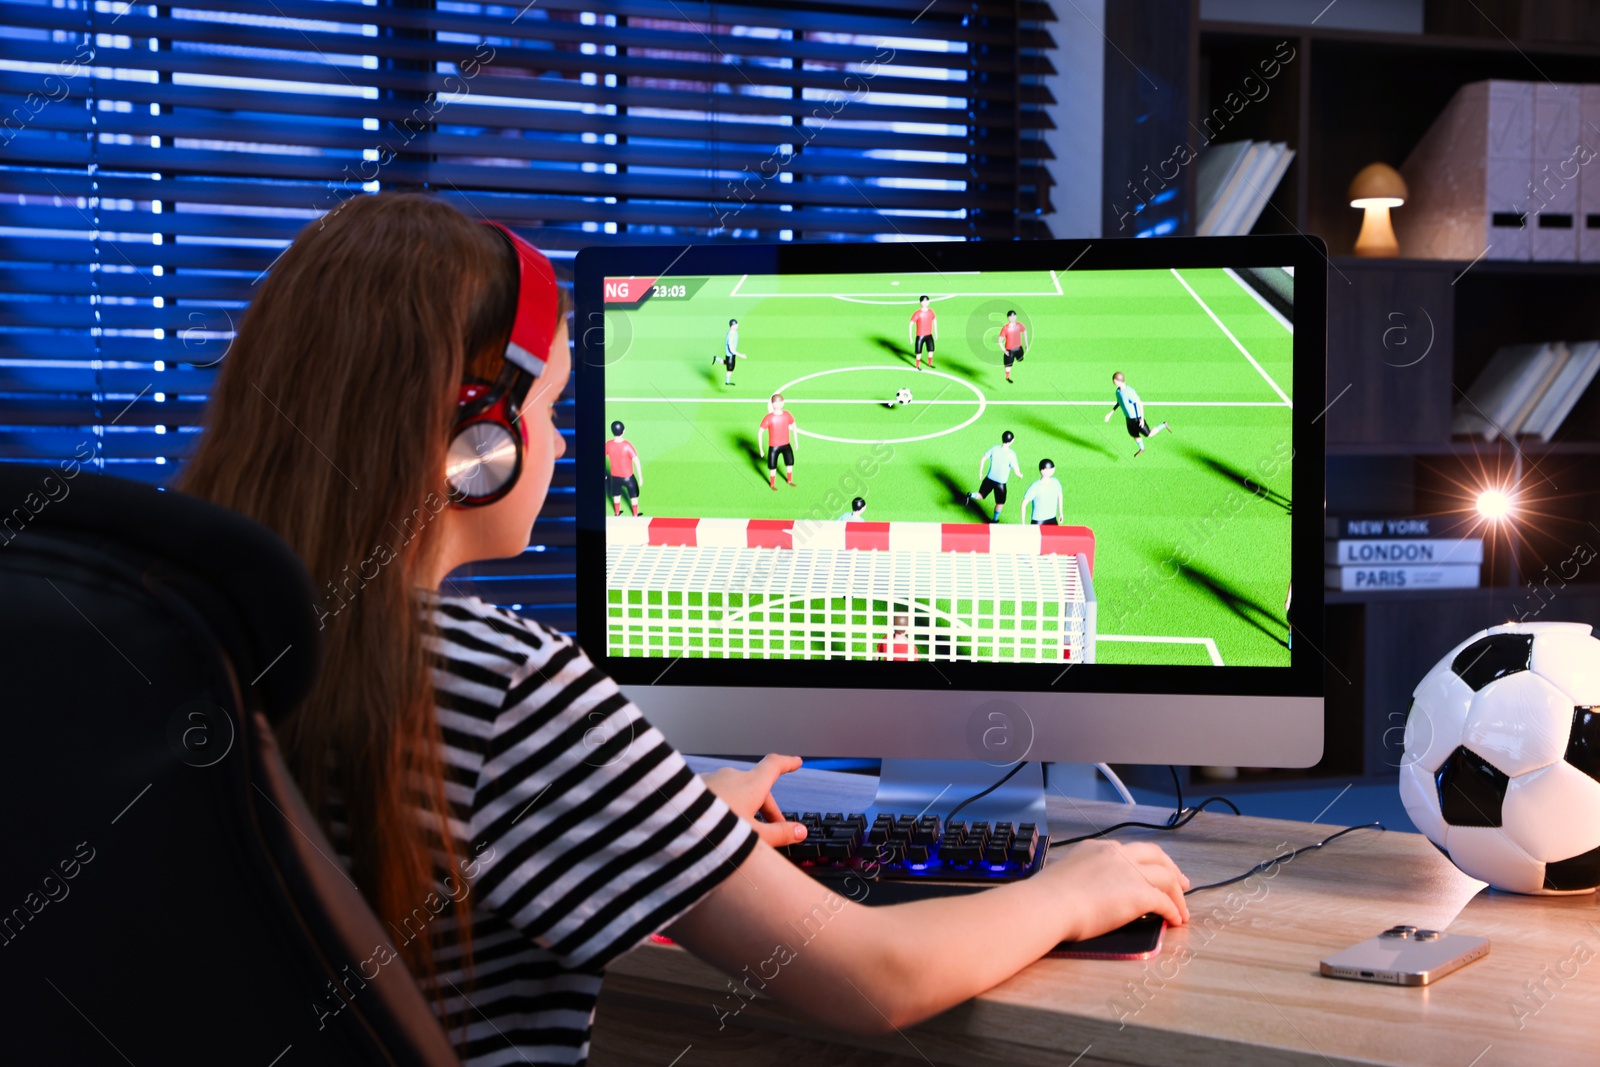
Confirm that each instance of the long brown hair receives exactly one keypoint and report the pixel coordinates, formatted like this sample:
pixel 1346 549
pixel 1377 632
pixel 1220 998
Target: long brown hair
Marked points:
pixel 329 424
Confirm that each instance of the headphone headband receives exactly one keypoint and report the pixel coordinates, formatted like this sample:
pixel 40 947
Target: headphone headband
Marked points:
pixel 485 452
pixel 538 299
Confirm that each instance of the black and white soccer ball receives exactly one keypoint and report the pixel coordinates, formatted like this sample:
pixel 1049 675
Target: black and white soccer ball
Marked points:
pixel 902 397
pixel 1502 757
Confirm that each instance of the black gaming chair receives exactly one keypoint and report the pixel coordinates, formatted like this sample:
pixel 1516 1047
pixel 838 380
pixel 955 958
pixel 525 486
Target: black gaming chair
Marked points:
pixel 165 895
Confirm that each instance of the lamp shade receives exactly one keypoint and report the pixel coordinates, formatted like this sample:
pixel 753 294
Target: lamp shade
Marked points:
pixel 1377 185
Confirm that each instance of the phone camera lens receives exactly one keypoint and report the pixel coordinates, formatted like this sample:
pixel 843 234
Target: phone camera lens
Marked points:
pixel 1426 935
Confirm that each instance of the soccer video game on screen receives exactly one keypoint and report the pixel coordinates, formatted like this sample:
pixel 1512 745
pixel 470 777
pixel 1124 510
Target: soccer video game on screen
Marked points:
pixel 1072 466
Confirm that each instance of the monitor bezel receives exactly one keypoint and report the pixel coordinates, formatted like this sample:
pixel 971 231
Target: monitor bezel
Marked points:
pixel 1303 677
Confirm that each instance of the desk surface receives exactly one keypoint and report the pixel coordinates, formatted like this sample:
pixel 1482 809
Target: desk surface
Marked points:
pixel 1239 985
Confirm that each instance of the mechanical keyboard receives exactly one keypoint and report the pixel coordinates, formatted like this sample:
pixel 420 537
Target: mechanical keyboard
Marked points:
pixel 915 848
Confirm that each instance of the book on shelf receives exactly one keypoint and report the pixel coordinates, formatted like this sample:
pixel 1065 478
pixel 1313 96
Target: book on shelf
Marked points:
pixel 1364 579
pixel 1570 382
pixel 1216 172
pixel 1234 181
pixel 1259 191
pixel 1411 551
pixel 1481 410
pixel 1527 389
pixel 1390 527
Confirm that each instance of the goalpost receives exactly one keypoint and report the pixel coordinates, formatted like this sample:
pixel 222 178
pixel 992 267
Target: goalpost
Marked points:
pixel 779 589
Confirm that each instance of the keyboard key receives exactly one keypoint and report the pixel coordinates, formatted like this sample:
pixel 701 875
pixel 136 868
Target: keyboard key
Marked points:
pixel 837 849
pixel 917 854
pixel 959 855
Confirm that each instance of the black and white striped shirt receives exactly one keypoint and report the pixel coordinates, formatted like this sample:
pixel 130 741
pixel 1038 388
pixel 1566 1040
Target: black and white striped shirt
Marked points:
pixel 582 830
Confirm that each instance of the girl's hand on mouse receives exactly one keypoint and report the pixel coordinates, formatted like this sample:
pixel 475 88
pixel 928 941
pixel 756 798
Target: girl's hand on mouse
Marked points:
pixel 750 792
pixel 1114 883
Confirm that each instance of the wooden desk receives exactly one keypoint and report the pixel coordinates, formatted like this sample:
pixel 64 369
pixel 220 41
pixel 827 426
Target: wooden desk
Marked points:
pixel 1239 985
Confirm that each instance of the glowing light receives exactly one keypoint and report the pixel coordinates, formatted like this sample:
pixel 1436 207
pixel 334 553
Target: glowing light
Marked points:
pixel 1494 504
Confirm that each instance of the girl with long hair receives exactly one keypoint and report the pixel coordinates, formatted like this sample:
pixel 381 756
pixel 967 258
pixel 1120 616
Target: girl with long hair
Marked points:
pixel 513 819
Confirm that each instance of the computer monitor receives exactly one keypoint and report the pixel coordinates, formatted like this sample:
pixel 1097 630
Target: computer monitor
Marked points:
pixel 827 576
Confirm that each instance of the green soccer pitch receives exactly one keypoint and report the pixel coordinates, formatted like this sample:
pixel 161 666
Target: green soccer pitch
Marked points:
pixel 1192 538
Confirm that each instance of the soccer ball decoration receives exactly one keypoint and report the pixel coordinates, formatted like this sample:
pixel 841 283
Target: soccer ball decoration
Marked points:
pixel 903 396
pixel 1502 757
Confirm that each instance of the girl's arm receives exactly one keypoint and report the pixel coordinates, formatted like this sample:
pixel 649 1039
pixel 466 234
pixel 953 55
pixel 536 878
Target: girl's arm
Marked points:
pixel 870 969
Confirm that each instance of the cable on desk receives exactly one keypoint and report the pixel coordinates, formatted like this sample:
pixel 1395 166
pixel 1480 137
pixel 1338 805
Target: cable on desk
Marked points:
pixel 1178 820
pixel 1286 857
pixel 979 796
pixel 1116 783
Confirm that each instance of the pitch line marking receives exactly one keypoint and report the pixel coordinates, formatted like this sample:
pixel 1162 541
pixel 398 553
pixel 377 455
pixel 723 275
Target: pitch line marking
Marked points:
pixel 896 298
pixel 1229 333
pixel 992 403
pixel 981 400
pixel 1210 645
pixel 1266 306
pixel 1057 281
pixel 863 298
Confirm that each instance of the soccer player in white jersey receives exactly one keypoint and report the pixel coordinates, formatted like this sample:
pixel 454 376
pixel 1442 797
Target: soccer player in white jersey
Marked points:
pixel 1132 410
pixel 856 513
pixel 996 467
pixel 730 352
pixel 1042 504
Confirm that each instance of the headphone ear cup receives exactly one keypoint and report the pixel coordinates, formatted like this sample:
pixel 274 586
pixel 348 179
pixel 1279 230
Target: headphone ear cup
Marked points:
pixel 484 457
pixel 483 462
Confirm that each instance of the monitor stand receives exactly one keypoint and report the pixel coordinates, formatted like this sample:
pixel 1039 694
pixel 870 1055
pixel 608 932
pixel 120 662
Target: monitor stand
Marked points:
pixel 921 786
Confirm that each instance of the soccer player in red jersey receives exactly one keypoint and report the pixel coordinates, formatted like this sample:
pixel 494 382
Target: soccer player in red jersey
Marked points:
pixel 924 331
pixel 1013 341
pixel 625 470
pixel 899 646
pixel 779 424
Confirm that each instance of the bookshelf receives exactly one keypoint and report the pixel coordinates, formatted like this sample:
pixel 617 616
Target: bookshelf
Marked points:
pixel 1404 335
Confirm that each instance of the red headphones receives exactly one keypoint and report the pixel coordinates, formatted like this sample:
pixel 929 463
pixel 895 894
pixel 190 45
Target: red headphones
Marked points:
pixel 485 454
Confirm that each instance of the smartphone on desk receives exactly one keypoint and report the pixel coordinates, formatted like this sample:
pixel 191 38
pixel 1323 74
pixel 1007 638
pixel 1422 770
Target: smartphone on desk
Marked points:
pixel 1406 955
pixel 1138 940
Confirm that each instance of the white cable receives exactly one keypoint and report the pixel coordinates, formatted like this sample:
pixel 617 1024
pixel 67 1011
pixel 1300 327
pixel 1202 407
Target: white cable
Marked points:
pixel 1116 783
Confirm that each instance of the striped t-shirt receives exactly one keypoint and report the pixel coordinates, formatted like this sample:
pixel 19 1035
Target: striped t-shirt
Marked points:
pixel 582 829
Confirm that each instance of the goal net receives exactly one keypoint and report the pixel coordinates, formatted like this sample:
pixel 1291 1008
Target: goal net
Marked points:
pixel 730 589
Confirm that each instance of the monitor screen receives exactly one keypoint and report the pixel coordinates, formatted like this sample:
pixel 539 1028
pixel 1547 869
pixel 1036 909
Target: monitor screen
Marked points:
pixel 938 465
pixel 1047 467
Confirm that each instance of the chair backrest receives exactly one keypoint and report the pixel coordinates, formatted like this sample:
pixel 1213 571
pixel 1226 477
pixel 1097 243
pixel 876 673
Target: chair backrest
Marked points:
pixel 166 895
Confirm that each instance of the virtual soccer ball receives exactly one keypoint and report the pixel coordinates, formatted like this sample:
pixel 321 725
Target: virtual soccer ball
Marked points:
pixel 903 397
pixel 1502 757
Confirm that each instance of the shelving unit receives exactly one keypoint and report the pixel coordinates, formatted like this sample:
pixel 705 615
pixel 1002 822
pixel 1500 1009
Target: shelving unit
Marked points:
pixel 1405 336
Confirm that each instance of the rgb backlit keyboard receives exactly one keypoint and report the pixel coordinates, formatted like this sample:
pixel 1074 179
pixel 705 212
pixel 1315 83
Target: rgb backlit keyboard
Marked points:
pixel 913 847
